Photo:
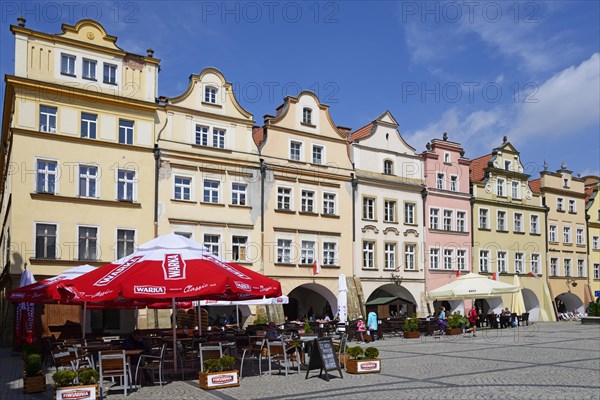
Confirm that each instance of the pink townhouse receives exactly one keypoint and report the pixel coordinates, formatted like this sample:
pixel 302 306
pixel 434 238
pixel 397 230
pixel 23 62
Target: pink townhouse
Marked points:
pixel 447 217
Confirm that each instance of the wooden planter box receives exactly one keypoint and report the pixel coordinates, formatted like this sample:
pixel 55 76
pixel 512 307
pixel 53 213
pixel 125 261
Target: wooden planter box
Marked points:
pixel 34 384
pixel 343 358
pixel 412 335
pixel 218 380
pixel 365 366
pixel 83 392
pixel 454 331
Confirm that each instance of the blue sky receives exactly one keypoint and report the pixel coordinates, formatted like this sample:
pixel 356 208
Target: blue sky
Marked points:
pixel 477 70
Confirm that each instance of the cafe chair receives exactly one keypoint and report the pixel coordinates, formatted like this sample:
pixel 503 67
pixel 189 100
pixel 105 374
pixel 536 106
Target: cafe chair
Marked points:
pixel 186 357
pixel 283 354
pixel 253 352
pixel 113 364
pixel 153 363
pixel 63 358
pixel 209 351
pixel 342 349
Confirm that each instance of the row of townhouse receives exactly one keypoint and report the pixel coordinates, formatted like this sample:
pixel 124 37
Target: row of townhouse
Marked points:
pixel 94 163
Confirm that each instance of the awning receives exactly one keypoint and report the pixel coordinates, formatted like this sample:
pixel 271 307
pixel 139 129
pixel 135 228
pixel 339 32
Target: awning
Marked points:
pixel 380 301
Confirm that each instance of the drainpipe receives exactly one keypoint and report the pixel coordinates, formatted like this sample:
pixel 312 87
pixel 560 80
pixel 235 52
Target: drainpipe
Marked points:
pixel 263 174
pixel 424 197
pixel 156 172
pixel 546 211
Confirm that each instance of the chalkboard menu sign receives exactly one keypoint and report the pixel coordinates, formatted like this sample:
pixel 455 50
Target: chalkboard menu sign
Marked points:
pixel 324 358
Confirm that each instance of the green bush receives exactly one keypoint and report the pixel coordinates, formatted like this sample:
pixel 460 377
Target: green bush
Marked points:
pixel 226 363
pixel 88 376
pixel 355 352
pixel 594 310
pixel 260 320
pixel 33 364
pixel 371 352
pixel 31 349
pixel 455 320
pixel 411 324
pixel 64 377
pixel 307 330
pixel 211 365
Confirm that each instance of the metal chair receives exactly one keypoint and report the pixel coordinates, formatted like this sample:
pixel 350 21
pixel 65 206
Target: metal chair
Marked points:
pixel 209 351
pixel 153 363
pixel 283 355
pixel 253 352
pixel 113 364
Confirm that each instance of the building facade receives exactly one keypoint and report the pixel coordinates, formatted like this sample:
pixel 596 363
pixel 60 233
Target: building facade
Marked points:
pixel 388 224
pixel 77 135
pixel 447 219
pixel 508 230
pixel 592 208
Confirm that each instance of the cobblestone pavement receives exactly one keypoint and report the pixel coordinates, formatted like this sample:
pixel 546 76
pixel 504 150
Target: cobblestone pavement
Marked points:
pixel 543 361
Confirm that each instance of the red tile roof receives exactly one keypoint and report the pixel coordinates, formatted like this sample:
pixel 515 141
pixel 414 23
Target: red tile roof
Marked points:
pixel 536 185
pixel 258 135
pixel 362 132
pixel 588 193
pixel 476 172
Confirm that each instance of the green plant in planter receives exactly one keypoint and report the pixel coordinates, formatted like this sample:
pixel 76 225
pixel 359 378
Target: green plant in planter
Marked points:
pixel 355 352
pixel 455 320
pixel 33 365
pixel 88 376
pixel 307 330
pixel 31 349
pixel 64 377
pixel 594 310
pixel 371 352
pixel 411 324
pixel 260 320
pixel 211 365
pixel 226 363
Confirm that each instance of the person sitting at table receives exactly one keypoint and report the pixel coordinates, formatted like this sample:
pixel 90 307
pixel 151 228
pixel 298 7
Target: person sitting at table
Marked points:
pixel 136 342
pixel 271 333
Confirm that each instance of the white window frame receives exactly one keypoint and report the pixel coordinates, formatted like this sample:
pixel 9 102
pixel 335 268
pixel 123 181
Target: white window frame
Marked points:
pixel 447 217
pixel 89 125
pixel 329 253
pixel 560 204
pixel 46 173
pixel 210 190
pixel 388 167
pixel 211 245
pixel 95 239
pixel 307 116
pixel 554 266
pixel 210 95
pixel 454 183
pixel 239 196
pixel 56 239
pixel 322 154
pixel 48 115
pixel 124 242
pixel 516 190
pixel 461 259
pixel 239 248
pixel 307 252
pixel 87 72
pixel 448 257
pixel 567 235
pixel 596 271
pixel 126 180
pixel 329 205
pixel 519 262
pixel 535 263
pixel 501 187
pixel 292 155
pixel 485 213
pixel 434 258
pixel 567 267
pixel 112 73
pixel 534 224
pixel 572 206
pixel 283 198
pixel 579 236
pixel 201 135
pixel 440 181
pixel 501 224
pixel 434 218
pixel 447 158
pixel 128 131
pixel 389 256
pixel 595 242
pixel 368 254
pixel 409 213
pixel 484 260
pixel 580 268
pixel 284 251
pixel 369 208
pixel 71 61
pixel 501 264
pixel 307 201
pixel 507 165
pixel 219 138
pixel 553 233
pixel 461 221
pixel 85 179
pixel 518 222
pixel 389 207
pixel 183 186
pixel 410 256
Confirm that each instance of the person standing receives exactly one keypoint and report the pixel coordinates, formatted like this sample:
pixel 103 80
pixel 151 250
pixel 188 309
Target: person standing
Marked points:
pixel 361 329
pixel 473 321
pixel 372 325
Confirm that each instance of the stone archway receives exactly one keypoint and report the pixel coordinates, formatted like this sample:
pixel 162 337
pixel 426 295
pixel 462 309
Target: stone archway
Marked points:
pixel 570 301
pixel 309 296
pixel 407 300
pixel 532 304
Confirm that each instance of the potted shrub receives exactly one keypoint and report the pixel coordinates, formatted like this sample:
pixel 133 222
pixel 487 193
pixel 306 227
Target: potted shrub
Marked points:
pixel 69 384
pixel 33 377
pixel 219 373
pixel 411 328
pixel 455 324
pixel 363 361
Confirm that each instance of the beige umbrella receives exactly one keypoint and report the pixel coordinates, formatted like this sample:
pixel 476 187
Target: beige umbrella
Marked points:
pixel 471 286
pixel 518 305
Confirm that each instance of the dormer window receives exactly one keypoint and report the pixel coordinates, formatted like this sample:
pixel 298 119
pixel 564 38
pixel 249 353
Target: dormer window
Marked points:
pixel 388 167
pixel 566 182
pixel 507 165
pixel 307 116
pixel 210 95
pixel 447 158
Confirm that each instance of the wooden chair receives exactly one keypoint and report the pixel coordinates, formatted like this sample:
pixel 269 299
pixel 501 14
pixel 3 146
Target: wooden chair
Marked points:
pixel 209 351
pixel 113 364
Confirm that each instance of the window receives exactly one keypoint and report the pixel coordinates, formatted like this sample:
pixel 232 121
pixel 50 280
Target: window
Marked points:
pixel 368 254
pixel 46 176
pixel 110 74
pixel 448 254
pixel 507 165
pixel 125 242
pixel 447 158
pixel 329 253
pixel 454 183
pixel 88 243
pixel 202 135
pixel 461 221
pixel 47 119
pixel 389 211
pixel 88 178
pixel 125 131
pixel 210 95
pixel 440 181
pixel 484 260
pixel 126 180
pixel 500 187
pixel 238 248
pixel 88 125
pixel 219 138
pixel 579 236
pixel 284 198
pixel 535 224
pixel 307 116
pixel 447 220
pixel 89 69
pixel 483 219
pixel 518 222
pixel 559 204
pixel 567 264
pixel 388 167
pixel 572 206
pixel 308 201
pixel 434 218
pixel 501 223
pixel 284 251
pixel 67 64
pixel 211 192
pixel 580 268
pixel 434 258
pixel 183 188
pixel 566 182
pixel 307 252
pixel 554 267
pixel 409 256
pixel 567 234
pixel 238 194
pixel 502 262
pixel 329 203
pixel 368 208
pixel 518 263
pixel 516 190
pixel 461 259
pixel 45 241
pixel 295 151
pixel 595 242
pixel 596 271
pixel 409 213
pixel 390 256
pixel 535 263
pixel 552 234
pixel 211 242
pixel 317 154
